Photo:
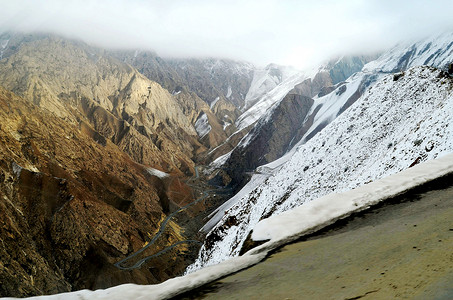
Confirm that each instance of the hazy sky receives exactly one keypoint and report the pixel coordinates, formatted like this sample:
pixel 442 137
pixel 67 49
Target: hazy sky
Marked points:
pixel 298 33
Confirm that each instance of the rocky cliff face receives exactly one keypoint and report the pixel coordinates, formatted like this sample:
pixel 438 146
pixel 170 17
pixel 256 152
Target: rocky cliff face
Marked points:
pixel 270 138
pixel 83 85
pixel 73 204
pixel 220 84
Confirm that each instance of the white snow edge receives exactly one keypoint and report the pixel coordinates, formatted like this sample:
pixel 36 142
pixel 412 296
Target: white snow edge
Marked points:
pixel 280 229
pixel 324 211
pixel 166 289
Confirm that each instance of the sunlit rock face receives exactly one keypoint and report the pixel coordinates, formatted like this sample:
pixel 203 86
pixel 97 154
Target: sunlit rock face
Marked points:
pixel 83 85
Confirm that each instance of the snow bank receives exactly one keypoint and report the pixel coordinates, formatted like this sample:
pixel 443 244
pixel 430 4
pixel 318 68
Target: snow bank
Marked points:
pixel 213 103
pixel 330 208
pixel 202 125
pixel 164 290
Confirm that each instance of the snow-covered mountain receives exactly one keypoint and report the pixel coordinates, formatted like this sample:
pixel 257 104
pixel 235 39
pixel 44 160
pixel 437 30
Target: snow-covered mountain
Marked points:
pixel 405 118
pixel 265 80
pixel 268 87
pixel 331 98
pixel 283 119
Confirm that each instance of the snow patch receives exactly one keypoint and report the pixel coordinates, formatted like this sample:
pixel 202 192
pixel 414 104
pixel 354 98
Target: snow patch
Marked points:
pixel 157 173
pixel 213 103
pixel 226 124
pixel 202 125
pixel 229 92
pixel 4 43
pixel 219 161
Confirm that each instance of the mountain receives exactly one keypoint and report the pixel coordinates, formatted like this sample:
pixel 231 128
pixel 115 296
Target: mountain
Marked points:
pixel 83 85
pixel 402 120
pixel 282 123
pixel 217 87
pixel 331 98
pixel 73 204
pixel 94 157
pixel 209 78
pixel 265 80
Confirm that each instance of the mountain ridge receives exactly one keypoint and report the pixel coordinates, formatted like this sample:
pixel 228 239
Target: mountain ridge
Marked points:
pixel 286 185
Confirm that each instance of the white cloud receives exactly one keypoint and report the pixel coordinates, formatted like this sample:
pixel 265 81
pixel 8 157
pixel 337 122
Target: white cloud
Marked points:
pixel 287 32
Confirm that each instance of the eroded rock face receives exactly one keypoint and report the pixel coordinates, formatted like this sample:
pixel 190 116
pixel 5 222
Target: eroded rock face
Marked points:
pixel 72 207
pixel 211 86
pixel 81 84
pixel 270 138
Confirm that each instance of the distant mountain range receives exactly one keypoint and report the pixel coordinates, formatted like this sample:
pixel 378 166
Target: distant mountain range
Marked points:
pixel 98 147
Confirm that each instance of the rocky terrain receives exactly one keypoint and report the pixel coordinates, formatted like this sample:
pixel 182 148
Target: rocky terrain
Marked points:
pixel 83 85
pixel 73 204
pixel 215 87
pixel 383 132
pixel 84 139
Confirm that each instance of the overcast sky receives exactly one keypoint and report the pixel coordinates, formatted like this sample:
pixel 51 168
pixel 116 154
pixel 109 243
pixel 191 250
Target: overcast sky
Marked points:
pixel 292 32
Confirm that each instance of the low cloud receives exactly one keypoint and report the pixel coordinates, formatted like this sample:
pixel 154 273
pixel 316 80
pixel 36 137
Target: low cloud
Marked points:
pixel 300 33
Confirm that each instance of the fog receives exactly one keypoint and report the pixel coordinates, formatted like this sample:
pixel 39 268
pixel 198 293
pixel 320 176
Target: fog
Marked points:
pixel 291 32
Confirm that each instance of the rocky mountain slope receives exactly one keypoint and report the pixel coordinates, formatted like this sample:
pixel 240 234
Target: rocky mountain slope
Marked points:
pixel 400 121
pixel 83 85
pixel 213 87
pixel 265 80
pixel 331 98
pixel 209 78
pixel 283 121
pixel 84 139
pixel 73 204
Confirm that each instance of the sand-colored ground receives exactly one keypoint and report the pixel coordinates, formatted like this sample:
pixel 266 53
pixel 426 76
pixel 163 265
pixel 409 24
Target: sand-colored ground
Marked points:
pixel 398 251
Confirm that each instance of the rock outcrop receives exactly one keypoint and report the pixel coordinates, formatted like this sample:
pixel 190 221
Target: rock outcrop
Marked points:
pixel 221 84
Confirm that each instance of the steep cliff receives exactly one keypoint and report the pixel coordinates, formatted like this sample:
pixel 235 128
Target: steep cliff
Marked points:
pixel 270 138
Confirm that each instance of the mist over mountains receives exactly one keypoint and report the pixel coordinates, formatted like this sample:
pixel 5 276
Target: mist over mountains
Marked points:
pixel 119 165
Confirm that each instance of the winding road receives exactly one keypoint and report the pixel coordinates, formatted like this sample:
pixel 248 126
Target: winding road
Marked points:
pixel 163 225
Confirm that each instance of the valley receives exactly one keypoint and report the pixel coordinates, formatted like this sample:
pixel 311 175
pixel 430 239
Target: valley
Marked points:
pixel 123 167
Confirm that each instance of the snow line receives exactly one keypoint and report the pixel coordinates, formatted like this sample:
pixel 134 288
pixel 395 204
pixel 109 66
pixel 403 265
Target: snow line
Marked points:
pixel 281 229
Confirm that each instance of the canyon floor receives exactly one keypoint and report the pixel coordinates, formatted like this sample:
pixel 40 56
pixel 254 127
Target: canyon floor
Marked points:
pixel 399 250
